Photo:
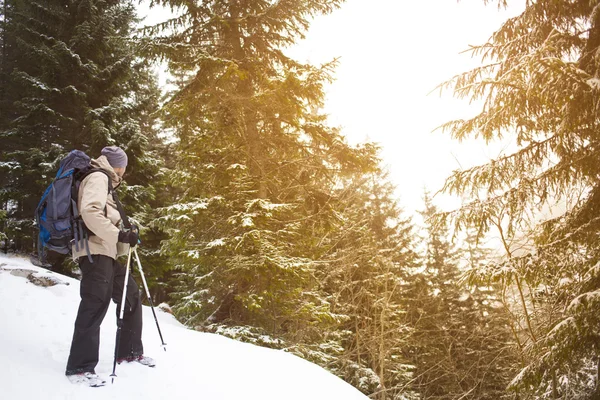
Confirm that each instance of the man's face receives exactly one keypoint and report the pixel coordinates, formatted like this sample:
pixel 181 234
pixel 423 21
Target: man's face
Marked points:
pixel 120 171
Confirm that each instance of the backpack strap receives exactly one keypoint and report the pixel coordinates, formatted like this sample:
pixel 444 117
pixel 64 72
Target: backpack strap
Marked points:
pixel 124 218
pixel 82 175
pixel 120 209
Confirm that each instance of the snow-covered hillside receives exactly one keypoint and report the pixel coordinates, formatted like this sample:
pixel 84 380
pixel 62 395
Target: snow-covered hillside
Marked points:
pixel 36 324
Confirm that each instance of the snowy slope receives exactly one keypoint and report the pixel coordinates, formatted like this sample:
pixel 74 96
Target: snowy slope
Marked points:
pixel 36 324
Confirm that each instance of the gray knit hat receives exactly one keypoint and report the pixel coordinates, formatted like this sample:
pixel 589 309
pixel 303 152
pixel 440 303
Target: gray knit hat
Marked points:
pixel 116 156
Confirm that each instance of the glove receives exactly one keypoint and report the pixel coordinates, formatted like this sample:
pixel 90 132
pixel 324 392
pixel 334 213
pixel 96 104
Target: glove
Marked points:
pixel 129 237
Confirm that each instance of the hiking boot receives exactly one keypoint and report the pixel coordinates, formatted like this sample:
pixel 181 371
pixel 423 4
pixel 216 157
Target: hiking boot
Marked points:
pixel 86 378
pixel 147 361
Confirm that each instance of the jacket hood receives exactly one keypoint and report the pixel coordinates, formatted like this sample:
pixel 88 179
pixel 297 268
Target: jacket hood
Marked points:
pixel 102 163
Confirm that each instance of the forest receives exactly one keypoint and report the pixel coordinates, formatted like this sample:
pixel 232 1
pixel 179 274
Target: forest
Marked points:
pixel 259 221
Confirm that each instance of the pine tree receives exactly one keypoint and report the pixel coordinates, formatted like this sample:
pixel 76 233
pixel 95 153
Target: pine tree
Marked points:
pixel 71 79
pixel 371 253
pixel 256 165
pixel 461 341
pixel 433 306
pixel 492 354
pixel 540 85
pixel 146 187
pixel 3 121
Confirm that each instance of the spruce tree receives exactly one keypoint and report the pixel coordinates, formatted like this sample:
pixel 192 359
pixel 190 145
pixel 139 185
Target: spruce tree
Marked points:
pixel 370 254
pixel 71 80
pixel 461 340
pixel 540 85
pixel 256 165
pixel 433 308
pixel 270 199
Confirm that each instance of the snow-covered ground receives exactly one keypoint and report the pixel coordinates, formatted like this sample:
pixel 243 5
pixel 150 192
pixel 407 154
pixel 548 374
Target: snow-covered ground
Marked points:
pixel 36 325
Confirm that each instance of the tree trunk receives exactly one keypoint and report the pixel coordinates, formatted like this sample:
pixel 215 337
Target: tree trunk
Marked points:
pixel 598 377
pixel 518 282
pixel 247 117
pixel 586 61
pixel 382 344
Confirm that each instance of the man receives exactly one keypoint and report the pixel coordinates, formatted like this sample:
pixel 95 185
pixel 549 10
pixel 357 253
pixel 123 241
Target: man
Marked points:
pixel 102 277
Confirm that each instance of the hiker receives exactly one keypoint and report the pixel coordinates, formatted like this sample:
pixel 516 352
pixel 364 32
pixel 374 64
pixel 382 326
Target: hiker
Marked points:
pixel 102 277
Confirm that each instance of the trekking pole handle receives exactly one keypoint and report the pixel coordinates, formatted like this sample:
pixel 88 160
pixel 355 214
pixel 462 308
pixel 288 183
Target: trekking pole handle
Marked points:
pixel 136 229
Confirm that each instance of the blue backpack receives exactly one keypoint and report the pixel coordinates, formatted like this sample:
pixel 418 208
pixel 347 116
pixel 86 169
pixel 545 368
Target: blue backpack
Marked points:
pixel 57 215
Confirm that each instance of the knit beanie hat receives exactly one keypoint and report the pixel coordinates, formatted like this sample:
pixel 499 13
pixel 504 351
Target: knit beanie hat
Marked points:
pixel 116 156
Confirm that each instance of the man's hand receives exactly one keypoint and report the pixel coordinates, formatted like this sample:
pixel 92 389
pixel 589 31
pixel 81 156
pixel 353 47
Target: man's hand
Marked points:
pixel 129 237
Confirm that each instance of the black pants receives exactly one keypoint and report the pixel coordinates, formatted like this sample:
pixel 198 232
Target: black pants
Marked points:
pixel 102 280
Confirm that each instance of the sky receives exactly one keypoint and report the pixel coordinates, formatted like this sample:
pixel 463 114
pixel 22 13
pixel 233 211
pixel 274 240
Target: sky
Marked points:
pixel 37 326
pixel 392 55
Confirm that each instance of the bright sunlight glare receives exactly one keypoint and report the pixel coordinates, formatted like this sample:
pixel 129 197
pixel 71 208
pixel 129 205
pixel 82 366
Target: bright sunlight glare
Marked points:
pixel 392 55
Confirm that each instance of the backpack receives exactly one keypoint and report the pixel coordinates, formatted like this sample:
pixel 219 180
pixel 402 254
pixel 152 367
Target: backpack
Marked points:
pixel 57 215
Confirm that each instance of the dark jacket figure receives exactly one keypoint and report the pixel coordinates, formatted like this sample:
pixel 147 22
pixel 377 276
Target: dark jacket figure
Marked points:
pixel 103 277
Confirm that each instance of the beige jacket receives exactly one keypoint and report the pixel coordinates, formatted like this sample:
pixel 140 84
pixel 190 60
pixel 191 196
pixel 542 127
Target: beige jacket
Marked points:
pixel 93 200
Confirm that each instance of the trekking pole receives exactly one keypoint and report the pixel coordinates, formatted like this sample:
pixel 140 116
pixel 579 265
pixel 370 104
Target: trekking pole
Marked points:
pixel 120 319
pixel 137 258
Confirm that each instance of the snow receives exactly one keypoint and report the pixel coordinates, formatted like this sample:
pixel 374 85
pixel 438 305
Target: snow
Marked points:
pixel 201 278
pixel 594 83
pixel 195 205
pixel 10 165
pixel 464 297
pixel 216 243
pixel 519 376
pixel 266 205
pixel 564 324
pixel 37 325
pixel 585 298
pixel 195 254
